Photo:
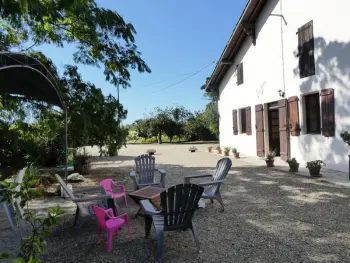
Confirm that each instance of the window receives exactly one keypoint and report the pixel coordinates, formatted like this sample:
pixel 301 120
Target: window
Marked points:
pixel 306 50
pixel 240 73
pixel 243 123
pixel 312 109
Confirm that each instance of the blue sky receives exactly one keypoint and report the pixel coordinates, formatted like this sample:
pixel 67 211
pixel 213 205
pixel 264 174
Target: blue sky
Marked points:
pixel 175 38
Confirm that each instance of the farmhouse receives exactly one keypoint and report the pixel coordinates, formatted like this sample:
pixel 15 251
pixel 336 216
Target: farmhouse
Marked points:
pixel 283 81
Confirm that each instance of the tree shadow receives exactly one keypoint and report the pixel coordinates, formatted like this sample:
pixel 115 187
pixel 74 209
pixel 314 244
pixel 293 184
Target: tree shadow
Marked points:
pixel 269 215
pixel 332 65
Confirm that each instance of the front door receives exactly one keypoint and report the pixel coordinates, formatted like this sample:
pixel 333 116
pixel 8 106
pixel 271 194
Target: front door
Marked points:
pixel 259 125
pixel 283 128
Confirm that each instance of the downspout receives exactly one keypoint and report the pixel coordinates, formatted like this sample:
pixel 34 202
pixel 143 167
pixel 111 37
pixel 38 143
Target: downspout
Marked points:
pixel 282 49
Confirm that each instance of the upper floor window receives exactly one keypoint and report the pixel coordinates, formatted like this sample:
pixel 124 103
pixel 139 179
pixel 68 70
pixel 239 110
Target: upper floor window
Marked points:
pixel 306 50
pixel 240 73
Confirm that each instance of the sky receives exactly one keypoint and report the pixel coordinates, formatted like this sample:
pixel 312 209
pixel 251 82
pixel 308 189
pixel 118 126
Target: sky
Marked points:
pixel 176 39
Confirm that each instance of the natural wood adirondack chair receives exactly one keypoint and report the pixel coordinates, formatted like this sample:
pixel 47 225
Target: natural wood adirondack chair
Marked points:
pixel 178 204
pixel 144 174
pixel 212 187
pixel 84 209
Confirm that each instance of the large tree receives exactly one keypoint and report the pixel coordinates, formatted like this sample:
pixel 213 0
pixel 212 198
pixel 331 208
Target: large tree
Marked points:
pixel 101 36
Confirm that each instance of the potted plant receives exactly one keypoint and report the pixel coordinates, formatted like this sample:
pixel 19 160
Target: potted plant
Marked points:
pixel 81 162
pixel 210 148
pixel 346 137
pixel 293 165
pixel 227 151
pixel 192 149
pixel 235 153
pixel 151 151
pixel 219 149
pixel 315 167
pixel 270 158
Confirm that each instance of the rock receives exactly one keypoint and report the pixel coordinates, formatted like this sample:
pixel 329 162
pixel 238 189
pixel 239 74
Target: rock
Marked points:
pixel 75 177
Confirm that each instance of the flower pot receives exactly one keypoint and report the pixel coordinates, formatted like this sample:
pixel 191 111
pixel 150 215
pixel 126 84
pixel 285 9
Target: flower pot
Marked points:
pixel 209 150
pixel 226 153
pixel 294 168
pixel 315 171
pixel 192 151
pixel 151 153
pixel 219 151
pixel 236 155
pixel 82 168
pixel 270 163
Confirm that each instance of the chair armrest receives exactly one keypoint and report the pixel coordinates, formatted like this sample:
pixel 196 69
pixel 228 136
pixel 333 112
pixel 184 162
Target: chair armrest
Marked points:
pixel 148 184
pixel 122 215
pixel 91 198
pixel 160 171
pixel 149 208
pixel 211 183
pixel 189 177
pixel 119 186
pixel 87 189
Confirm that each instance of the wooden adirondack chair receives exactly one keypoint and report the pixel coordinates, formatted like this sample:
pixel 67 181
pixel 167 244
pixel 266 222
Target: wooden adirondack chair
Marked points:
pixel 144 174
pixel 84 209
pixel 178 206
pixel 212 187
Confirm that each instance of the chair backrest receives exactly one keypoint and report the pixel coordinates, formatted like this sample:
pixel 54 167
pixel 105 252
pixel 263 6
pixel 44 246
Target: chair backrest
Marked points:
pixel 222 168
pixel 17 201
pixel 179 203
pixel 107 185
pixel 101 215
pixel 145 166
pixel 64 186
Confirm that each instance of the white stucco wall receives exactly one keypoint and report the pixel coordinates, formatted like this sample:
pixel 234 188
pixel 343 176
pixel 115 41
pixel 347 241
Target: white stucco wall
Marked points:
pixel 263 75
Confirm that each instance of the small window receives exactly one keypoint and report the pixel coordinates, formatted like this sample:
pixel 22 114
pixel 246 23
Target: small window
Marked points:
pixel 243 120
pixel 306 50
pixel 240 73
pixel 312 110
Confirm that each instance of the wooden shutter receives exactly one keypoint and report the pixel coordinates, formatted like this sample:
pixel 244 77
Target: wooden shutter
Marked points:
pixel 248 121
pixel 306 50
pixel 327 110
pixel 294 116
pixel 240 73
pixel 259 125
pixel 283 128
pixel 234 122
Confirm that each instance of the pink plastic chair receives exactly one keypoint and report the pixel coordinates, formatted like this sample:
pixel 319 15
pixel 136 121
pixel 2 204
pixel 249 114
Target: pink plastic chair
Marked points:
pixel 110 224
pixel 107 185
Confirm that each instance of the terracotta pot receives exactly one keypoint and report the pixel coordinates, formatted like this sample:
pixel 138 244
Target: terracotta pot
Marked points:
pixel 226 153
pixel 315 171
pixel 209 150
pixel 294 168
pixel 236 155
pixel 219 151
pixel 270 163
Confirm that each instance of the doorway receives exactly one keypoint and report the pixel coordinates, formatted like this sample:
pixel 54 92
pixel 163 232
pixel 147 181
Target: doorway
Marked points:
pixel 274 132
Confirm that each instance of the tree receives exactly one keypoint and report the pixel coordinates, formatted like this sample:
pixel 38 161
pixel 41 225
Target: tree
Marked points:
pixel 101 36
pixel 211 113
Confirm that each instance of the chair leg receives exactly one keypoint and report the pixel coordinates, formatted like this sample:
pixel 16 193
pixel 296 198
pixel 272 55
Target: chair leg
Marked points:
pixel 148 225
pixel 76 217
pixel 98 236
pixel 211 201
pixel 218 197
pixel 126 202
pixel 109 240
pixel 194 232
pixel 160 243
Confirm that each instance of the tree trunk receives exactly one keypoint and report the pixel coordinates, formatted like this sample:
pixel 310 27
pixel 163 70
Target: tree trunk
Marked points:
pixel 160 137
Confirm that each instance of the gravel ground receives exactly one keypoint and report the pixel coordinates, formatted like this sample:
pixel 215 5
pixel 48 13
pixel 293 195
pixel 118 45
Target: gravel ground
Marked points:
pixel 270 216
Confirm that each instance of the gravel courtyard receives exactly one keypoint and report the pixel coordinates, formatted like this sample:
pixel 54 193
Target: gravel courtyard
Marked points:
pixel 270 216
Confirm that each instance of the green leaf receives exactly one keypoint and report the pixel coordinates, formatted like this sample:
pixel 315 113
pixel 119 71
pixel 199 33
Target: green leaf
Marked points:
pixel 18 260
pixel 35 260
pixel 5 255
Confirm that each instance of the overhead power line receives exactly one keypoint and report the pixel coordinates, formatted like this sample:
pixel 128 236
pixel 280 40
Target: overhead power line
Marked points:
pixel 190 76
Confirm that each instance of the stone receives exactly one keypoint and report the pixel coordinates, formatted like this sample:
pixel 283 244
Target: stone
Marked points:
pixel 75 177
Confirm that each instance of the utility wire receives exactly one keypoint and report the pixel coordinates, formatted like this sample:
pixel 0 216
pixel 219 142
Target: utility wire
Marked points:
pixel 161 81
pixel 172 85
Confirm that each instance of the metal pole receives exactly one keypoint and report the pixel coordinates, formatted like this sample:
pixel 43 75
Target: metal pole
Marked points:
pixel 349 167
pixel 66 144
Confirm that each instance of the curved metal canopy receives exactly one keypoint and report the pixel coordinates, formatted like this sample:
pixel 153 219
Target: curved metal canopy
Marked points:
pixel 21 74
